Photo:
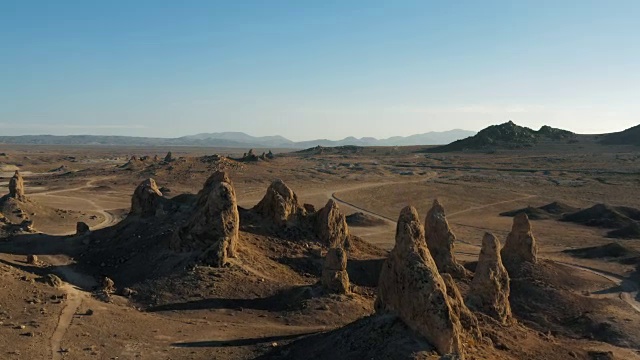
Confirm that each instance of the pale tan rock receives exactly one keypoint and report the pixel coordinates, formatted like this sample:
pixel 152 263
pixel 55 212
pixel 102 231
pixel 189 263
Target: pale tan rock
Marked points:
pixel 146 199
pixel 108 285
pixel 490 286
pixel 280 204
pixel 335 278
pixel 16 187
pixel 441 240
pixel 32 259
pixel 411 288
pixel 331 225
pixel 520 245
pixel 468 321
pixel 215 223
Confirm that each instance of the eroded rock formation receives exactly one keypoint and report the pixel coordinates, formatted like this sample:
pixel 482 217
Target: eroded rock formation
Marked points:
pixel 411 288
pixel 335 278
pixel 280 204
pixel 440 241
pixel 468 321
pixel 520 245
pixel 490 286
pixel 331 225
pixel 168 157
pixel 16 187
pixel 147 199
pixel 215 223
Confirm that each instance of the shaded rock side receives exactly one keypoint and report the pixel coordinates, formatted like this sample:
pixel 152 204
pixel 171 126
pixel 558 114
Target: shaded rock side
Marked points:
pixel 440 241
pixel 520 245
pixel 82 228
pixel 16 187
pixel 335 278
pixel 468 321
pixel 147 199
pixel 411 288
pixel 490 285
pixel 279 204
pixel 215 223
pixel 331 225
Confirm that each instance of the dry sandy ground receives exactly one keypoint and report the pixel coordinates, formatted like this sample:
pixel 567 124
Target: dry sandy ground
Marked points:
pixel 95 186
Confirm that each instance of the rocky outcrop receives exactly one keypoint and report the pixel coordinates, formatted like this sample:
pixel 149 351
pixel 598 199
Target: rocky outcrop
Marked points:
pixel 32 259
pixel 169 157
pixel 335 278
pixel 147 199
pixel 490 286
pixel 214 225
pixel 520 245
pixel 280 204
pixel 440 241
pixel 16 187
pixel 82 228
pixel 108 286
pixel 411 288
pixel 331 225
pixel 468 321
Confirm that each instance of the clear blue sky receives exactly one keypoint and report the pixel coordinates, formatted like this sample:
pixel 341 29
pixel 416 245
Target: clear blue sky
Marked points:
pixel 316 69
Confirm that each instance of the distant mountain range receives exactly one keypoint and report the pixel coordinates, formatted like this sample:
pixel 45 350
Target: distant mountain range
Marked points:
pixel 235 140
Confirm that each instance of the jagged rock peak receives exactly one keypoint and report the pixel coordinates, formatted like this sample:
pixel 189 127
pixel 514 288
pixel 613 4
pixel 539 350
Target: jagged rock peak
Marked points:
pixel 16 187
pixel 331 225
pixel 215 223
pixel 521 244
pixel 147 199
pixel 490 285
pixel 411 288
pixel 441 240
pixel 279 204
pixel 335 278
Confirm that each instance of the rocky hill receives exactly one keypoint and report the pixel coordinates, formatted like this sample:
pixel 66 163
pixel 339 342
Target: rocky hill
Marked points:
pixel 630 136
pixel 505 136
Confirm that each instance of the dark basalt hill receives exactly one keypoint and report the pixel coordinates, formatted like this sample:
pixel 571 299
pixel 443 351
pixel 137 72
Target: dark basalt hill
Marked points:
pixel 630 136
pixel 604 216
pixel 505 136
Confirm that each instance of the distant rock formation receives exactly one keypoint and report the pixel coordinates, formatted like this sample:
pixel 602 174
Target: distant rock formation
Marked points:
pixel 520 245
pixel 215 223
pixel 335 278
pixel 168 157
pixel 490 286
pixel 411 288
pixel 16 187
pixel 147 199
pixel 331 225
pixel 440 241
pixel 279 204
pixel 82 228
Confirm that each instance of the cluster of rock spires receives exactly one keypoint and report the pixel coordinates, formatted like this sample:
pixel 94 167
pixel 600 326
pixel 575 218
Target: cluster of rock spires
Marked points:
pixel 416 282
pixel 280 205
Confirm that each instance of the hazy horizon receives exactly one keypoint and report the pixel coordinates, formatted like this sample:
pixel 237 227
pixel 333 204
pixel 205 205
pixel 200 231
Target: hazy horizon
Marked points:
pixel 316 70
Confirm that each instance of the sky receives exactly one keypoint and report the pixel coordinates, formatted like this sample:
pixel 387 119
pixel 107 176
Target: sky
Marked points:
pixel 308 69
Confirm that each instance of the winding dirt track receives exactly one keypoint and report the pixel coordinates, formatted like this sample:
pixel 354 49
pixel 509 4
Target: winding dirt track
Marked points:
pixel 75 294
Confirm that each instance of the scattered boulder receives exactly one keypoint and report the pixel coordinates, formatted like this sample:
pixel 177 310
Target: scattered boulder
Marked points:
pixel 16 187
pixel 146 199
pixel 335 278
pixel 32 259
pixel 53 280
pixel 411 288
pixel 331 225
pixel 440 241
pixel 279 204
pixel 82 228
pixel 108 285
pixel 490 285
pixel 215 223
pixel 520 245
